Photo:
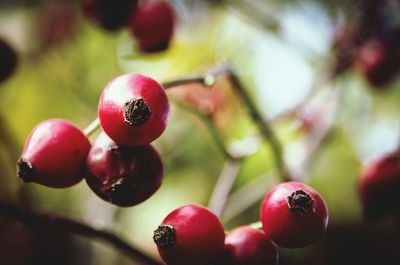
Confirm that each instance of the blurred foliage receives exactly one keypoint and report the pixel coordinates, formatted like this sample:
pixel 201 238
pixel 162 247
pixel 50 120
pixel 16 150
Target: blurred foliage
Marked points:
pixel 276 53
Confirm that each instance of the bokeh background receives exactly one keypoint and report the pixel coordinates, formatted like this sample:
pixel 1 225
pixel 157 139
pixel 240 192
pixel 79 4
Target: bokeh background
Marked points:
pixel 281 50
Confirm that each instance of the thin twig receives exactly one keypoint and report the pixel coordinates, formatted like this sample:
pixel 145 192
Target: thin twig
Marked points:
pixel 214 132
pixel 224 185
pixel 92 127
pixel 64 224
pixel 263 125
pixel 210 77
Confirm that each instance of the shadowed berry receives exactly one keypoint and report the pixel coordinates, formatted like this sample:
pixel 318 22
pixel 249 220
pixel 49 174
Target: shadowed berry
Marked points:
pixel 152 24
pixel 8 60
pixel 123 175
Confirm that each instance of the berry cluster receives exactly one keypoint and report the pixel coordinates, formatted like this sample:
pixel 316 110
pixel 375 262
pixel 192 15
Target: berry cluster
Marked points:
pixel 379 183
pixel 150 22
pixel 292 214
pixel 371 43
pixel 121 167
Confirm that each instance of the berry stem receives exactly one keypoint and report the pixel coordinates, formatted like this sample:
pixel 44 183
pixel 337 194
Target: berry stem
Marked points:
pixel 70 226
pixel 263 125
pixel 92 127
pixel 224 185
pixel 214 132
pixel 256 225
pixel 209 78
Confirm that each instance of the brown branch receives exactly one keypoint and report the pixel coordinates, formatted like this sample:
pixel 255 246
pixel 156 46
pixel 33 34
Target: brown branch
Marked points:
pixel 50 221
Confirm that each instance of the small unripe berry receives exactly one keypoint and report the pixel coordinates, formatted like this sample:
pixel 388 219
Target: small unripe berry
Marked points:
pixel 123 175
pixel 249 246
pixel 8 60
pixel 379 186
pixel 152 24
pixel 54 154
pixel 110 14
pixel 133 110
pixel 294 215
pixel 190 235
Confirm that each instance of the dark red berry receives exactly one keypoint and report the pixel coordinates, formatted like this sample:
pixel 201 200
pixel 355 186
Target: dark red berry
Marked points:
pixel 123 175
pixel 379 186
pixel 110 14
pixel 192 235
pixel 133 109
pixel 294 215
pixel 249 246
pixel 8 60
pixel 378 62
pixel 152 24
pixel 54 154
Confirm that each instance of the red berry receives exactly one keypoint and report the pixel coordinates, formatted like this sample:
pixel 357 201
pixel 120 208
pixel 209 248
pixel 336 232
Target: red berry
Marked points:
pixel 54 154
pixel 133 109
pixel 378 63
pixel 8 60
pixel 109 14
pixel 191 235
pixel 153 25
pixel 294 215
pixel 249 246
pixel 379 186
pixel 123 175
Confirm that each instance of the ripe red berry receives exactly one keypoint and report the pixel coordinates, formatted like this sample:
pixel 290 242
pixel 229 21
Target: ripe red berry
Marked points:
pixel 109 14
pixel 54 154
pixel 123 175
pixel 378 63
pixel 249 246
pixel 294 215
pixel 152 24
pixel 133 109
pixel 8 60
pixel 190 235
pixel 379 186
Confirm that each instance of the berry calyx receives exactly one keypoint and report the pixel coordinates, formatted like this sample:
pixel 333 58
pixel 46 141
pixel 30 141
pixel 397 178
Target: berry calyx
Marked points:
pixel 164 236
pixel 299 202
pixel 294 215
pixel 249 246
pixel 133 110
pixel 192 235
pixel 54 154
pixel 152 24
pixel 379 185
pixel 8 60
pixel 136 111
pixel 123 175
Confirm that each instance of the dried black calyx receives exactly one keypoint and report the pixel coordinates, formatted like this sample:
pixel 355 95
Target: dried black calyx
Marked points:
pixel 25 170
pixel 119 191
pixel 164 236
pixel 299 202
pixel 136 112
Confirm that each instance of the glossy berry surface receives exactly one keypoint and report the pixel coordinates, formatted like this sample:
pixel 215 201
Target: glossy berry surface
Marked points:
pixel 123 175
pixel 54 154
pixel 293 215
pixel 192 235
pixel 8 60
pixel 109 14
pixel 249 246
pixel 133 110
pixel 379 186
pixel 152 24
